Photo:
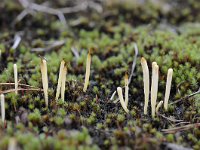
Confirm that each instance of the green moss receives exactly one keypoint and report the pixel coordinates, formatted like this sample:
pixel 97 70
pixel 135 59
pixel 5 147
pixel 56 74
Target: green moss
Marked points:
pixel 120 118
pixel 170 137
pixel 35 116
pixel 63 124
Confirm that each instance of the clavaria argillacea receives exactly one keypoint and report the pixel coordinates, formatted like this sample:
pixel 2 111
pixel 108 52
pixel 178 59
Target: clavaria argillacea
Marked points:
pixel 44 80
pixel 87 73
pixel 154 87
pixel 3 108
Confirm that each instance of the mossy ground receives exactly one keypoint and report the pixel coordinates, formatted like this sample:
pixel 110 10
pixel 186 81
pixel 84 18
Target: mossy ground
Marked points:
pixel 167 32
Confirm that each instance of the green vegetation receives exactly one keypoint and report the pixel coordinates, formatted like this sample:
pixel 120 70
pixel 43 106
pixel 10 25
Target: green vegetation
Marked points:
pixel 167 32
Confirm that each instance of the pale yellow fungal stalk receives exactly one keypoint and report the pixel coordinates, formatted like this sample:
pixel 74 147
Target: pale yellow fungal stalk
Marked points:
pixel 3 108
pixel 126 89
pixel 12 144
pixel 158 106
pixel 44 80
pixel 145 70
pixel 15 78
pixel 154 87
pixel 168 88
pixel 63 83
pixel 87 74
pixel 60 79
pixel 119 91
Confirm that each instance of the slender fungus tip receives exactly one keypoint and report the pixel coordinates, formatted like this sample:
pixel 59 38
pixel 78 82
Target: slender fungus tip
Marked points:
pixel 170 70
pixel 156 67
pixel 63 61
pixel 154 63
pixel 126 75
pixel 143 60
pixel 44 60
pixel 119 89
pixel 90 51
pixel 2 96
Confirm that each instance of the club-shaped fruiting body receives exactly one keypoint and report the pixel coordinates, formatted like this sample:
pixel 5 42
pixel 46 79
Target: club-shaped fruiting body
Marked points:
pixel 145 70
pixel 62 64
pixel 158 106
pixel 87 73
pixel 44 80
pixel 119 91
pixel 168 88
pixel 126 89
pixel 63 83
pixel 15 78
pixel 2 108
pixel 12 144
pixel 154 88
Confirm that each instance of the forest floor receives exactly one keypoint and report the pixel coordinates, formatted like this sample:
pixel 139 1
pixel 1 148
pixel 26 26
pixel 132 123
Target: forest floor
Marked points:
pixel 166 31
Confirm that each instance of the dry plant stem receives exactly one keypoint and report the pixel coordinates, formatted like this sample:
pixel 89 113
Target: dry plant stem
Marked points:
pixel 2 108
pixel 111 98
pixel 63 83
pixel 145 70
pixel 170 118
pixel 49 48
pixel 119 91
pixel 75 52
pixel 26 85
pixel 87 74
pixel 44 80
pixel 154 88
pixel 17 40
pixel 60 79
pixel 134 63
pixel 15 78
pixel 126 89
pixel 182 128
pixel 19 89
pixel 158 106
pixel 168 88
pixel 186 97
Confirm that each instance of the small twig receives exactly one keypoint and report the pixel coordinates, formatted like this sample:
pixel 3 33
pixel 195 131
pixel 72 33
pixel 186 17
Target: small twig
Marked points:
pixel 173 146
pixel 134 63
pixel 178 86
pixel 17 40
pixel 30 7
pixel 186 97
pixel 49 48
pixel 182 128
pixel 170 119
pixel 111 98
pixel 184 122
pixel 75 52
pixel 96 6
pixel 21 15
pixel 26 85
pixel 19 89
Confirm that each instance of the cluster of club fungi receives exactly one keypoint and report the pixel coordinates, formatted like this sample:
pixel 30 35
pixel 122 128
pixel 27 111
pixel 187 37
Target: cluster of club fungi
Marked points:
pixel 124 102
